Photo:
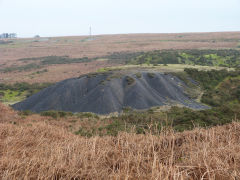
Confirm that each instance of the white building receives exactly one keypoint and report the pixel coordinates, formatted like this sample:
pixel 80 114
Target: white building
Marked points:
pixel 8 35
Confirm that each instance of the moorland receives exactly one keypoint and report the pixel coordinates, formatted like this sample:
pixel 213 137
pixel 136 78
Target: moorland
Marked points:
pixel 170 141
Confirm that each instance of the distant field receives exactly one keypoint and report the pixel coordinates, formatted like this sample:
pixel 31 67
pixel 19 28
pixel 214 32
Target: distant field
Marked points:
pixel 103 45
pixel 98 48
pixel 54 73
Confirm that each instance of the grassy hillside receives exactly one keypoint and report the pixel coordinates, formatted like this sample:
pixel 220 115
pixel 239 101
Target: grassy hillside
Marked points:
pixel 221 93
pixel 64 57
pixel 224 58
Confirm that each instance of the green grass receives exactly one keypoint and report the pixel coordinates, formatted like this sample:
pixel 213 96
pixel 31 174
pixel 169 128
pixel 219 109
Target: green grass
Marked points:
pixel 13 93
pixel 11 96
pixel 238 46
pixel 187 58
pixel 224 58
pixel 103 70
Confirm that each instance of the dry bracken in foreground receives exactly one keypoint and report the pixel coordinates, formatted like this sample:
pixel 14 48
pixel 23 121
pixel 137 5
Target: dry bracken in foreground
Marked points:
pixel 39 150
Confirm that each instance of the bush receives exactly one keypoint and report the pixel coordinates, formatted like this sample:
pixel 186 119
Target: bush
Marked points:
pixel 23 86
pixel 2 94
pixel 56 114
pixel 210 79
pixel 130 80
pixel 86 133
pixel 26 113
pixel 48 60
pixel 26 67
pixel 151 75
pixel 87 115
pixel 138 75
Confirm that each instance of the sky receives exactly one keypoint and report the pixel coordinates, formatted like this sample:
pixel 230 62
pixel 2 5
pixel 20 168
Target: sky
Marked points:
pixel 74 17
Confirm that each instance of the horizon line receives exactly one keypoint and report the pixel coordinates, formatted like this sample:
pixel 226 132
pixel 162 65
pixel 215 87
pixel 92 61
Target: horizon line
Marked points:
pixel 200 32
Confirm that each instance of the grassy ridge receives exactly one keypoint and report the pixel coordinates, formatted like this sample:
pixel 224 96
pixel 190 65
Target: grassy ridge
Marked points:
pixel 49 60
pixel 224 58
pixel 40 62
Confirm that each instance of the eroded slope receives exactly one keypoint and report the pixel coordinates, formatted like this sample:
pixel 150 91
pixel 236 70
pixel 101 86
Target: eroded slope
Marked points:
pixel 109 92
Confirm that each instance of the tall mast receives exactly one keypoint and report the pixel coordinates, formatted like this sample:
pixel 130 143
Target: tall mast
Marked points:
pixel 90 31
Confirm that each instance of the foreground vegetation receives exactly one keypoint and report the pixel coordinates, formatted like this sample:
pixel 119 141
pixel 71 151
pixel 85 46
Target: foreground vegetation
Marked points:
pixel 37 148
pixel 221 93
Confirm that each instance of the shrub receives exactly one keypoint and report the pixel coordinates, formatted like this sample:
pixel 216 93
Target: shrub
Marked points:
pixel 151 75
pixel 84 132
pixel 138 75
pixel 53 114
pixel 87 115
pixel 56 114
pixel 23 86
pixel 2 94
pixel 26 67
pixel 224 58
pixel 130 80
pixel 26 113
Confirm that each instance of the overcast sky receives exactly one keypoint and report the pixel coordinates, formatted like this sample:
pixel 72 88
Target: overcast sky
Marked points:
pixel 74 17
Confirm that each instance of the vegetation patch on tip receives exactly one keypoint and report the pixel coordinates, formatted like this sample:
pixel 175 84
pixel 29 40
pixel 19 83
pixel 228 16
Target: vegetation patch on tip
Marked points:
pixel 130 80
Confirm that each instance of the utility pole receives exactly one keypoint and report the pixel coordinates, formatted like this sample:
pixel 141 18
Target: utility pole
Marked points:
pixel 90 32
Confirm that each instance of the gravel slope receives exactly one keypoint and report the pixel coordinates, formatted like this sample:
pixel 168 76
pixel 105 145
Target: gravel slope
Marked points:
pixel 105 93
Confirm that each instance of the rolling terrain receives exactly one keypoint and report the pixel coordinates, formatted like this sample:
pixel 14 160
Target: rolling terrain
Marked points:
pixel 178 96
pixel 97 47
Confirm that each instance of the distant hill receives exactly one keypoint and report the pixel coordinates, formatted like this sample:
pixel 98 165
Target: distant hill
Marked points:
pixel 54 55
